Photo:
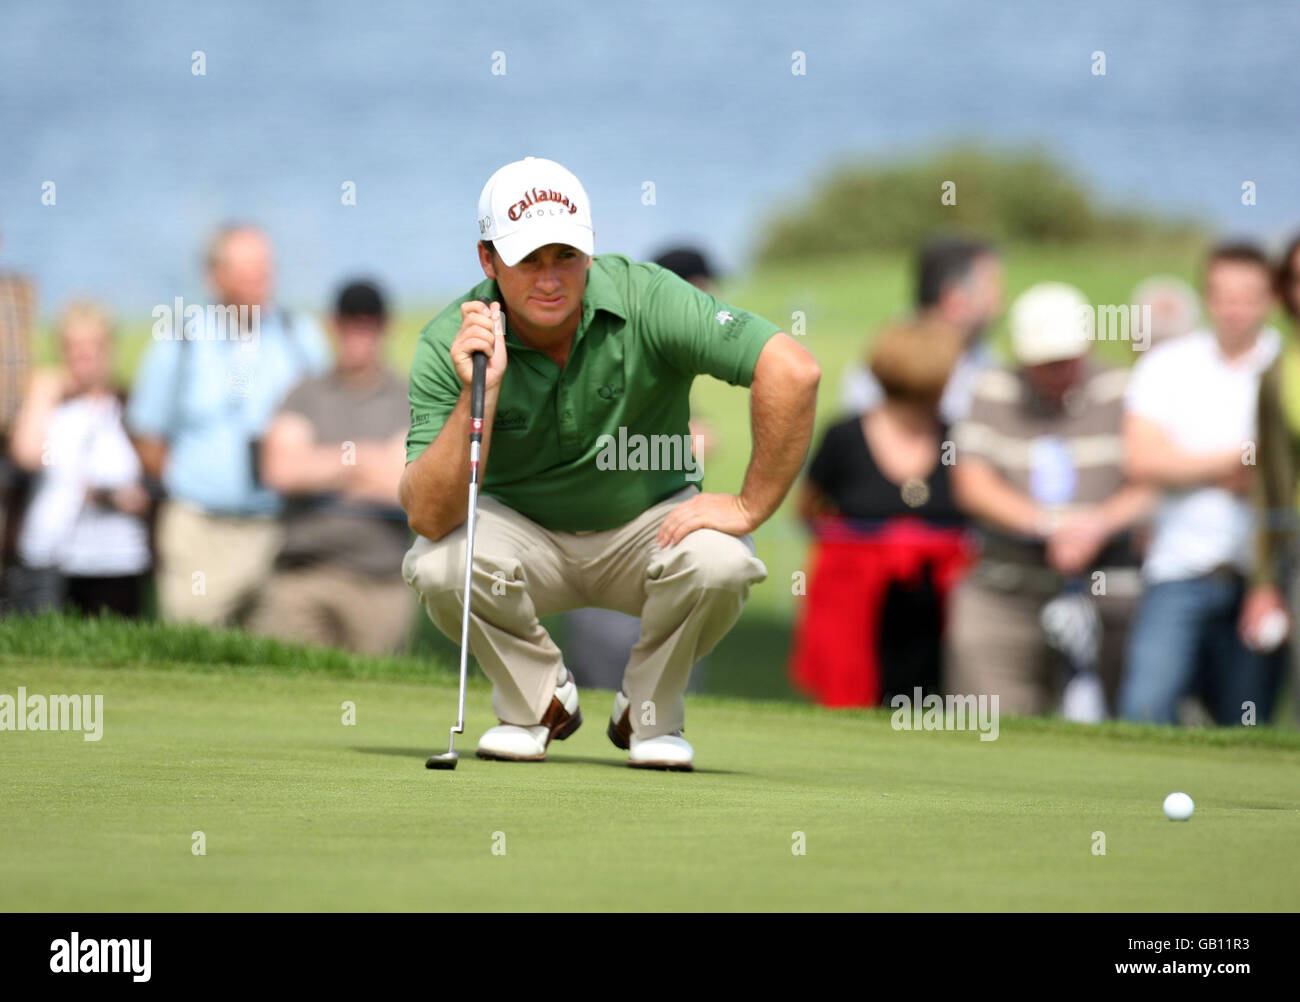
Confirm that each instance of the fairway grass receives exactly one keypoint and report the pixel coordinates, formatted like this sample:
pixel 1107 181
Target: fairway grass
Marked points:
pixel 300 812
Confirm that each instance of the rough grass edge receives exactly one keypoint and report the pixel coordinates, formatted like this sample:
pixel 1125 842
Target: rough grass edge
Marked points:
pixel 117 643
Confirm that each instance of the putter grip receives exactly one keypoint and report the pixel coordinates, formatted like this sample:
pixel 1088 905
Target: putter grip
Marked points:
pixel 477 388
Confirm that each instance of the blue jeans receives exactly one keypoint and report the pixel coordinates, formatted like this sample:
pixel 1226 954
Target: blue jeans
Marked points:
pixel 1185 640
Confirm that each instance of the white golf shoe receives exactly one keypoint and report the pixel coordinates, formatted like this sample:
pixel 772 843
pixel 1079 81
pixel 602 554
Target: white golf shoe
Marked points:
pixel 513 743
pixel 667 751
pixel 528 742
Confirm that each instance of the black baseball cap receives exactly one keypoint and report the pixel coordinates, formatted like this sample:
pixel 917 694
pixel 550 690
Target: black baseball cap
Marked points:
pixel 361 299
pixel 686 262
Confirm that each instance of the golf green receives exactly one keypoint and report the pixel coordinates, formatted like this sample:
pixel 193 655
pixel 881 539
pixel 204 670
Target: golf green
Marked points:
pixel 300 811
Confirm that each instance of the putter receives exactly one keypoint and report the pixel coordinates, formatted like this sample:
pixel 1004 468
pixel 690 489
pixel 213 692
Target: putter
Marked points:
pixel 449 758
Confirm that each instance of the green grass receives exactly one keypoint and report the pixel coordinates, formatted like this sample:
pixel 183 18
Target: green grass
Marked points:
pixel 65 637
pixel 301 812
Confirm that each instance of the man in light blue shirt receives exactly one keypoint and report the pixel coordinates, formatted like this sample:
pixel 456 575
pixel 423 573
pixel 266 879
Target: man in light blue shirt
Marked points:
pixel 205 392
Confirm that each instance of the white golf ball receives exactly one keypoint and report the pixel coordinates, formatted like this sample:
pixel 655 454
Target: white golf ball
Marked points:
pixel 1178 807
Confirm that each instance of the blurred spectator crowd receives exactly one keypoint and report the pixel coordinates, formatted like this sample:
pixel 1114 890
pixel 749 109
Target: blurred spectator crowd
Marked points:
pixel 251 473
pixel 1072 536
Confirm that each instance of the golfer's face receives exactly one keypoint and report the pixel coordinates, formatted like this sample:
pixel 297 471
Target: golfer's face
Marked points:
pixel 545 287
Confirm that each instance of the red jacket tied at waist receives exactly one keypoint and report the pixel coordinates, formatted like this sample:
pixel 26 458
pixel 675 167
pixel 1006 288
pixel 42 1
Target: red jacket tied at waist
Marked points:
pixel 835 656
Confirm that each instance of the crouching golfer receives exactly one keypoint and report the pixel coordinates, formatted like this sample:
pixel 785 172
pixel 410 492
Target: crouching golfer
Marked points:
pixel 589 493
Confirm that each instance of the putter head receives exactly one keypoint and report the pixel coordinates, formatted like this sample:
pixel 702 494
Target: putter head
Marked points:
pixel 447 760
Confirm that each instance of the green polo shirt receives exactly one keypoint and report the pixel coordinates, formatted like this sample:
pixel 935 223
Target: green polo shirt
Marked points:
pixel 593 444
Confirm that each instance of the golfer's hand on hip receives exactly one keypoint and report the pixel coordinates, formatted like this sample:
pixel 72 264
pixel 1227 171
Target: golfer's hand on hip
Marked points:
pixel 477 333
pixel 724 512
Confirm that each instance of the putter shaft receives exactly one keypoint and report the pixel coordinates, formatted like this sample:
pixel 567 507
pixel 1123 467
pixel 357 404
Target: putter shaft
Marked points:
pixel 478 387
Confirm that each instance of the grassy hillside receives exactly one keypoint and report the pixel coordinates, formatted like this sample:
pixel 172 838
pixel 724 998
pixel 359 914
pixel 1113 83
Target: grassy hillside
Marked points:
pixel 1014 196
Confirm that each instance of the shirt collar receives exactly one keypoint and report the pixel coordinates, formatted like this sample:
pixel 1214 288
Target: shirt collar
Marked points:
pixel 601 294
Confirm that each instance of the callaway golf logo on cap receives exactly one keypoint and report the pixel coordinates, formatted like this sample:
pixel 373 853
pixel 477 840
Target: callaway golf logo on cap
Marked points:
pixel 531 203
pixel 520 209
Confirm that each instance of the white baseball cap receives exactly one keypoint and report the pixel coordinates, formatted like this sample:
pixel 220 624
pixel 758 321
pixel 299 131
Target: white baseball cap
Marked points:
pixel 531 203
pixel 1049 324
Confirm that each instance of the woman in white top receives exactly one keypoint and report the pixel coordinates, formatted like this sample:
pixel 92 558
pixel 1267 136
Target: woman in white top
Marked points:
pixel 84 538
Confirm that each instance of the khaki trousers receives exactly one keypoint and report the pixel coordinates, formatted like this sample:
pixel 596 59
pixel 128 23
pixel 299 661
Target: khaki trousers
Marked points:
pixel 212 566
pixel 688 596
pixel 994 643
pixel 331 606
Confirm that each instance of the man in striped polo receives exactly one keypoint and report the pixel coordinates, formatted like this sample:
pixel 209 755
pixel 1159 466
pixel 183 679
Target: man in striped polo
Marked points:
pixel 1039 466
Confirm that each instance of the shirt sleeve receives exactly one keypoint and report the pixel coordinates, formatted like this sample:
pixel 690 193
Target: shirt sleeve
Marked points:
pixel 298 400
pixel 1273 489
pixel 434 389
pixel 154 395
pixel 1147 394
pixel 976 435
pixel 698 334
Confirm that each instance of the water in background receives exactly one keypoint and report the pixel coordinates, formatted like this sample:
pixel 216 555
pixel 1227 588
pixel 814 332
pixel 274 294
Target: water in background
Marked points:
pixel 697 97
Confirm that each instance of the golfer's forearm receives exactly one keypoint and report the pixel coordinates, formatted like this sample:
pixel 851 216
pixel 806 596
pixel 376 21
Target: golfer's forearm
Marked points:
pixel 783 401
pixel 435 486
